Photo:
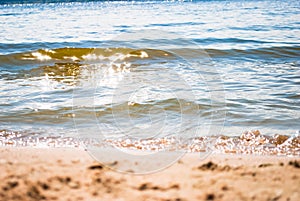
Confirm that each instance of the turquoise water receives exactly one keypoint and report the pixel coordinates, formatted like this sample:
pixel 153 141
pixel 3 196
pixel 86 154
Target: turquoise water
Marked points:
pixel 147 69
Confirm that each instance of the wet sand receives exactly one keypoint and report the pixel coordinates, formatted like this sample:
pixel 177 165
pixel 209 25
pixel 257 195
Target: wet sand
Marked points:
pixel 72 174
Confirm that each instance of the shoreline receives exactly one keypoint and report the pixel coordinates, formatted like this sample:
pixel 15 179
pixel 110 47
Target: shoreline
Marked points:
pixel 72 174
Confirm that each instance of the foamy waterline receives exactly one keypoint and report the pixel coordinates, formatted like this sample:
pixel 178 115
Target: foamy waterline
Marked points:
pixel 249 142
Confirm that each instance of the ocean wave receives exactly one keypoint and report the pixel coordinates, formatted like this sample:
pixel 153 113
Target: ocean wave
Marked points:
pixel 73 54
pixel 44 56
pixel 271 52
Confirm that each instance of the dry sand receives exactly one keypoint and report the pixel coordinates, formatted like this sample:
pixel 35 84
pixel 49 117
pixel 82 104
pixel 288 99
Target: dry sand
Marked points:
pixel 71 174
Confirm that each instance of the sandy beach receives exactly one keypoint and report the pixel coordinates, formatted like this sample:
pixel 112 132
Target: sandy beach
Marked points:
pixel 140 83
pixel 72 174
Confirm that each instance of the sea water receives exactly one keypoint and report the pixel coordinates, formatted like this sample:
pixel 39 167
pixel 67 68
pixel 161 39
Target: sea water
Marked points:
pixel 151 73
